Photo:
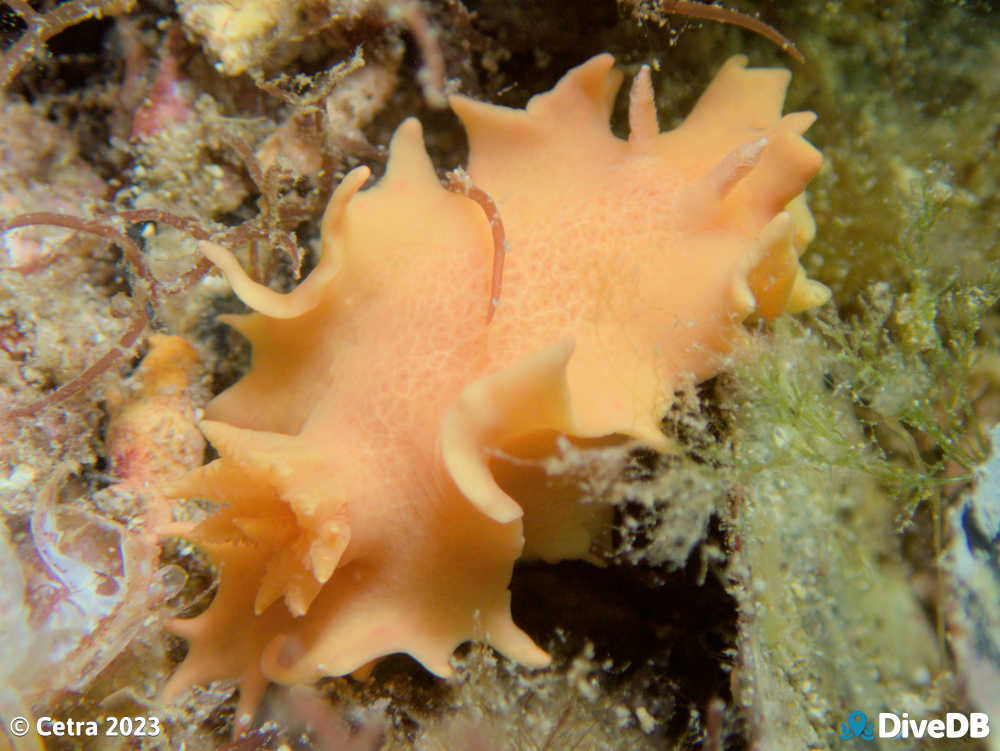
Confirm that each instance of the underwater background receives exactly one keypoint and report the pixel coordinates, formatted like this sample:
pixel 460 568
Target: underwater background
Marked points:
pixel 827 538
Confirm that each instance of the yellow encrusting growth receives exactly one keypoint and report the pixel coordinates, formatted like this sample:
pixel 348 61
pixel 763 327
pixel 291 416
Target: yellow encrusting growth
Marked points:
pixel 362 516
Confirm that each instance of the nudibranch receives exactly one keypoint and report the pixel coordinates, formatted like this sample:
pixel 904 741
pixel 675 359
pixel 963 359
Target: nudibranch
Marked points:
pixel 360 513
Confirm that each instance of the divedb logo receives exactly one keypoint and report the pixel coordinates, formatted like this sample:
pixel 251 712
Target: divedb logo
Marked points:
pixel 890 725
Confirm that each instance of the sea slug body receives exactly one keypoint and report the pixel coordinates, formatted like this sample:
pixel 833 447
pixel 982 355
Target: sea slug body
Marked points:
pixel 361 516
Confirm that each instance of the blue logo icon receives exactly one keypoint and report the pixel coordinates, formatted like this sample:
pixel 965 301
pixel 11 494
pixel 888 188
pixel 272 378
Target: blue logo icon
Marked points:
pixel 857 726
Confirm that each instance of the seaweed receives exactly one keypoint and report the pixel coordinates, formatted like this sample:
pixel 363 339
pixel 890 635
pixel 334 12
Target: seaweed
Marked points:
pixel 147 292
pixel 42 26
pixel 905 360
pixel 720 14
pixel 850 432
